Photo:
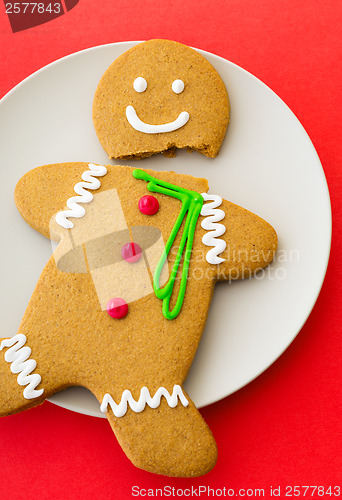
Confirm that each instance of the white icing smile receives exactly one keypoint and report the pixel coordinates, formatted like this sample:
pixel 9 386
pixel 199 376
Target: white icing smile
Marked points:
pixel 147 128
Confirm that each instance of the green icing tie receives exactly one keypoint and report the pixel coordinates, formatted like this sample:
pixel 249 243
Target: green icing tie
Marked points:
pixel 192 203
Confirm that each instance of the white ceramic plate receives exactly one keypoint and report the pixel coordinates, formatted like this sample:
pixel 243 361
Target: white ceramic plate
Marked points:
pixel 267 164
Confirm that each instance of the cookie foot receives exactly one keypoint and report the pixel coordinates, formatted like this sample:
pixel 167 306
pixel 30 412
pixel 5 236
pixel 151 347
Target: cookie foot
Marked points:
pixel 168 441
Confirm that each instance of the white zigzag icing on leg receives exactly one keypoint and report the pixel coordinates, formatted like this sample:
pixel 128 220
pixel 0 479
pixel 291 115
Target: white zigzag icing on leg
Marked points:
pixel 145 398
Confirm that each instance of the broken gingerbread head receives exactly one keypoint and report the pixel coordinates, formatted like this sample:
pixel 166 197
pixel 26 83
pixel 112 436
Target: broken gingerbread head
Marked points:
pixel 158 96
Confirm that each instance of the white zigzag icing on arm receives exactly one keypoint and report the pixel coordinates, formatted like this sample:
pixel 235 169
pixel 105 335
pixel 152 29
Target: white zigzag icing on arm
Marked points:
pixel 212 216
pixel 84 196
pixel 18 356
pixel 145 398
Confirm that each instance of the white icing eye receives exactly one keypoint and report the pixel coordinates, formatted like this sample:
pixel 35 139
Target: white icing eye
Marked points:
pixel 178 86
pixel 140 84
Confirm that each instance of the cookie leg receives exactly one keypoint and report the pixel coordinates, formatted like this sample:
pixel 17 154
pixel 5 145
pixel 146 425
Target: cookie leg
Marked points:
pixel 164 440
pixel 20 382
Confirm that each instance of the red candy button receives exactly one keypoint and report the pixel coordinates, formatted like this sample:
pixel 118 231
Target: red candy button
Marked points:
pixel 117 308
pixel 148 205
pixel 131 252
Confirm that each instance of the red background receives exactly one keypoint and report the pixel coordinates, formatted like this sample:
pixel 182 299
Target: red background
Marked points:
pixel 284 428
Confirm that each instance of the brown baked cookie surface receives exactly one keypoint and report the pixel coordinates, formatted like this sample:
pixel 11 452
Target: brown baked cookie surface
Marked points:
pixel 145 239
pixel 158 96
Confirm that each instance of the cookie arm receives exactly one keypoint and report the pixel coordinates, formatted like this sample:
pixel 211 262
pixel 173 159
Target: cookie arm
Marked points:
pixel 43 192
pixel 40 359
pixel 251 243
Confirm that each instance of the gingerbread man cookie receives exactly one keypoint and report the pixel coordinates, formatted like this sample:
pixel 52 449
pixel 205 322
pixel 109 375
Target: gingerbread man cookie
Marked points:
pixel 158 96
pixel 121 304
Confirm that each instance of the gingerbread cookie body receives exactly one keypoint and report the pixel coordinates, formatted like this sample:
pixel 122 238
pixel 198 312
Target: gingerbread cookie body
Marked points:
pixel 158 96
pixel 158 244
